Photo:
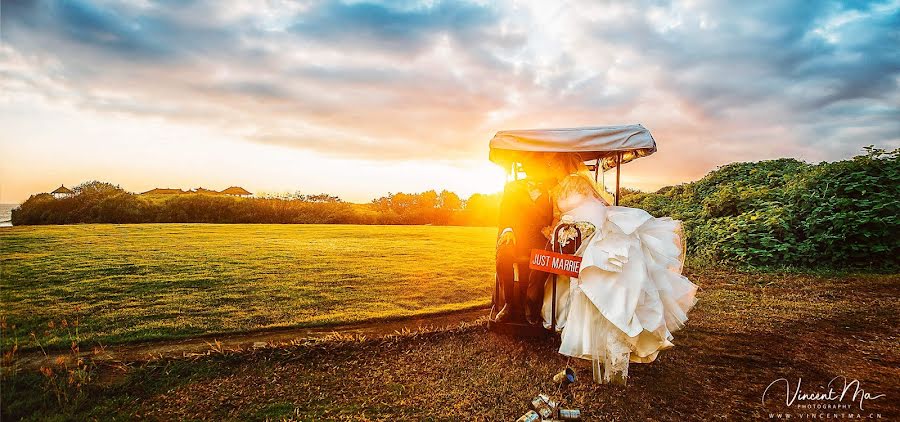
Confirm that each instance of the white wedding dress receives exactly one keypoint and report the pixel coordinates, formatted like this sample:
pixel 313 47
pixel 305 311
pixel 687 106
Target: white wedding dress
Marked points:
pixel 630 295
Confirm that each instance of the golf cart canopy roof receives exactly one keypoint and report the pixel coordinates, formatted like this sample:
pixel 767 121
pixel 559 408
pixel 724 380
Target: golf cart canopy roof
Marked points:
pixel 591 143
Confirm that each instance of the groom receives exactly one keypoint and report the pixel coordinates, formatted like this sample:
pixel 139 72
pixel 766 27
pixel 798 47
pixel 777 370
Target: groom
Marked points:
pixel 525 213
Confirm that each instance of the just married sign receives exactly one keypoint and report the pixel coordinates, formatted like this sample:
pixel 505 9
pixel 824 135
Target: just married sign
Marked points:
pixel 555 263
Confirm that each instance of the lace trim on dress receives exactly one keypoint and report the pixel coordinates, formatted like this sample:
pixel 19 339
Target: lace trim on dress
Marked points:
pixel 611 354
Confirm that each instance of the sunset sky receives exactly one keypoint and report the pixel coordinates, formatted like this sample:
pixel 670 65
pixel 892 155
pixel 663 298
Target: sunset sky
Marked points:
pixel 359 99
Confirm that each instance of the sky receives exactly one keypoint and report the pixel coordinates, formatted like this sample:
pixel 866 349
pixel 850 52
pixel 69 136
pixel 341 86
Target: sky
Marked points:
pixel 359 98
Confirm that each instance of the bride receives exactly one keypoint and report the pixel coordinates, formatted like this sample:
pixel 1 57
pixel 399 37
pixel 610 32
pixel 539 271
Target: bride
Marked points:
pixel 630 295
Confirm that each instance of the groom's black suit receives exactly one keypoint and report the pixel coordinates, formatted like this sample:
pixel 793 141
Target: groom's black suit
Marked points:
pixel 526 209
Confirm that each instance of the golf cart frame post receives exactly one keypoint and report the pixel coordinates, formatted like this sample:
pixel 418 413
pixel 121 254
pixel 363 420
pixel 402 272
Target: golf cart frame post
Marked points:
pixel 602 148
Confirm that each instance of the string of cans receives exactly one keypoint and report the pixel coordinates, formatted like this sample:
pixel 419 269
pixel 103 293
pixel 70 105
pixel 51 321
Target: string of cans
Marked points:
pixel 544 408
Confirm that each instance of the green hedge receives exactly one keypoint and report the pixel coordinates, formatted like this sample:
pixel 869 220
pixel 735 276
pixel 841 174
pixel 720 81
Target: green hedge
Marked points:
pixel 787 213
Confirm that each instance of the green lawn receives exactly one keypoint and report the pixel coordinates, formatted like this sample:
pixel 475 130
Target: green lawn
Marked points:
pixel 154 281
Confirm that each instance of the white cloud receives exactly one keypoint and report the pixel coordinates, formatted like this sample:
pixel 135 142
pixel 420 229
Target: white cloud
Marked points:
pixel 715 82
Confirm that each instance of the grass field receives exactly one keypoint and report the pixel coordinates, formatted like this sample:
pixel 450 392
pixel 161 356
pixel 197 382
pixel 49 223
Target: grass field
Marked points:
pixel 127 283
pixel 748 330
pixel 139 282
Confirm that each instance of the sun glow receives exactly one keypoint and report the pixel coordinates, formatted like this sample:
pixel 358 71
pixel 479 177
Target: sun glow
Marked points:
pixel 141 155
pixel 280 98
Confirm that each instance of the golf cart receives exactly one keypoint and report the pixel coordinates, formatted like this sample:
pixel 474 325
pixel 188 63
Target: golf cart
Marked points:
pixel 602 148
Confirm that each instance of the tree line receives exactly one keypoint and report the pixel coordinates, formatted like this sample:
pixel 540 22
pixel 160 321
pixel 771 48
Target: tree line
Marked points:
pixel 785 212
pixel 103 202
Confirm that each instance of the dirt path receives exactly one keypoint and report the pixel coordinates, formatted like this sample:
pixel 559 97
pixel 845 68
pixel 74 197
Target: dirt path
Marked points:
pixel 138 352
pixel 748 330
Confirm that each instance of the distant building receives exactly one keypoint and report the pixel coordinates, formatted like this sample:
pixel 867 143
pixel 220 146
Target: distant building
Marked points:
pixel 62 192
pixel 232 191
pixel 205 191
pixel 236 191
pixel 164 191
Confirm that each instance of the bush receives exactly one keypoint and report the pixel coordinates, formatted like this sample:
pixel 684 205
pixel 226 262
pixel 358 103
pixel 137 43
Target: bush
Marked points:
pixel 789 213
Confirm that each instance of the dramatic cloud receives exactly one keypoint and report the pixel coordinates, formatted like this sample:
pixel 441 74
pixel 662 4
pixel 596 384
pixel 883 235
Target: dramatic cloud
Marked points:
pixel 715 81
